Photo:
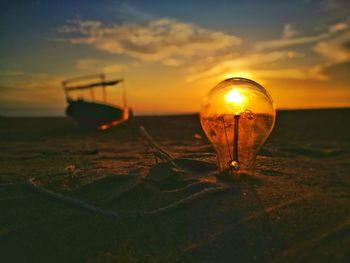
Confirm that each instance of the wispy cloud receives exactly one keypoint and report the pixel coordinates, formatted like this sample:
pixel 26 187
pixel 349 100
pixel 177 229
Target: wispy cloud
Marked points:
pixel 168 41
pixel 338 27
pixel 242 63
pixel 337 49
pixel 130 13
pixel 284 42
pixel 288 38
pixel 126 12
pixel 33 90
pixel 114 68
pixel 98 66
pixel 254 66
pixel 86 64
pixel 11 73
pixel 41 82
pixel 288 31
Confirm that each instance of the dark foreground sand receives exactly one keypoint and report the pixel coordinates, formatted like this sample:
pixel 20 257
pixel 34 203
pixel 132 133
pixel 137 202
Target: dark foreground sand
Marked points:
pixel 296 209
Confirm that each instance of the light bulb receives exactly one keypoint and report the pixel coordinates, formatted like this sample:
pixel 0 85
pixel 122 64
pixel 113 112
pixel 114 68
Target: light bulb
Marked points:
pixel 237 116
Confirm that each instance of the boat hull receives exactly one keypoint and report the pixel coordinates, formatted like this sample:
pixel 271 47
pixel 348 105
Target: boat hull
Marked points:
pixel 94 115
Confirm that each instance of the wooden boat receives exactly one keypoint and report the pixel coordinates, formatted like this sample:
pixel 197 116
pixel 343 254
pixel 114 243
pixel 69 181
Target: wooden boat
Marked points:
pixel 92 113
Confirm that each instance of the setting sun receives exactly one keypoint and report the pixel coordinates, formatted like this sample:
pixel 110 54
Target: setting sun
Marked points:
pixel 234 96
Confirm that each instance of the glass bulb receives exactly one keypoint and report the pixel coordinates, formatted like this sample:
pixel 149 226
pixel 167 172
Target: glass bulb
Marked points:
pixel 237 116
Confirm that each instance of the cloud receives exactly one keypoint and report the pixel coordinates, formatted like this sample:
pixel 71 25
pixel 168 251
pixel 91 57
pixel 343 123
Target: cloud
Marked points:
pixel 240 63
pixel 269 59
pixel 288 37
pixel 168 41
pixel 129 12
pixel 5 88
pixel 98 66
pixel 40 82
pixel 34 83
pixel 288 31
pixel 338 27
pixel 172 43
pixel 291 73
pixel 287 42
pixel 87 64
pixel 113 68
pixel 255 65
pixel 333 45
pixel 337 49
pixel 42 90
pixel 11 73
pixel 125 12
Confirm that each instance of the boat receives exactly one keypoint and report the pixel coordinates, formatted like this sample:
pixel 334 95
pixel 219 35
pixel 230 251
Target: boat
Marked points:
pixel 92 113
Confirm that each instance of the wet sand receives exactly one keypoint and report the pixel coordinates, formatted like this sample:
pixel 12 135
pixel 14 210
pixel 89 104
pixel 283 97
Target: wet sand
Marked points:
pixel 295 209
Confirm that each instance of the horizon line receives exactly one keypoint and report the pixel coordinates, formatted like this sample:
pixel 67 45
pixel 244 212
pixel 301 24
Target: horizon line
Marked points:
pixel 155 114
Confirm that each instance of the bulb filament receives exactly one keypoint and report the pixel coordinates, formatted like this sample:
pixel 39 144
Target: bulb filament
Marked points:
pixel 235 143
pixel 234 163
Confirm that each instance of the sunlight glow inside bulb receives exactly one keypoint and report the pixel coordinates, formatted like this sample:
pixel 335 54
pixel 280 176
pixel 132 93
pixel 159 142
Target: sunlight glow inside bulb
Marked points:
pixel 237 117
pixel 234 96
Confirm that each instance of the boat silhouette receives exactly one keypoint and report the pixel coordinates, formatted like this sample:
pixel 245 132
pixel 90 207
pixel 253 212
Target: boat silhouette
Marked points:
pixel 93 113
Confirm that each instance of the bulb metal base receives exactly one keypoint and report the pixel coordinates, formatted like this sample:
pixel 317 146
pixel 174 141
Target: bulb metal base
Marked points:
pixel 234 165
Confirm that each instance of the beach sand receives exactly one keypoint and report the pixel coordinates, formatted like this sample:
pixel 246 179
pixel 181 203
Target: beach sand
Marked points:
pixel 295 209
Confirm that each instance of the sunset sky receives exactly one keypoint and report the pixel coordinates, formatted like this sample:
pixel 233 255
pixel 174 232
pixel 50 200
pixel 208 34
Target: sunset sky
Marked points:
pixel 171 53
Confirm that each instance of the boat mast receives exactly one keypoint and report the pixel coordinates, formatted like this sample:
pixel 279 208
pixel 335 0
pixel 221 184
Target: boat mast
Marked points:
pixel 103 88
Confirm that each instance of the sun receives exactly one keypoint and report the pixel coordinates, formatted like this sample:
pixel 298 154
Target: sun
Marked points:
pixel 234 96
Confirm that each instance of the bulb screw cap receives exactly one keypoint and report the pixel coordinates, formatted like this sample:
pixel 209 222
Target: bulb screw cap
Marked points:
pixel 234 165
